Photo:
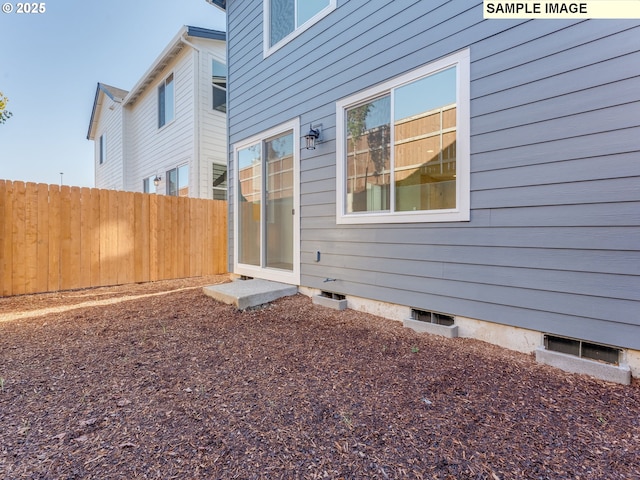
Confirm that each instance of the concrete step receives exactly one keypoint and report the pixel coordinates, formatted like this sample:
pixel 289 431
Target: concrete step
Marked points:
pixel 249 293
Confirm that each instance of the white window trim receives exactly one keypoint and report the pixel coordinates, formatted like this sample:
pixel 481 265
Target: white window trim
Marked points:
pixel 462 211
pixel 293 277
pixel 163 82
pixel 177 167
pixel 226 90
pixel 267 49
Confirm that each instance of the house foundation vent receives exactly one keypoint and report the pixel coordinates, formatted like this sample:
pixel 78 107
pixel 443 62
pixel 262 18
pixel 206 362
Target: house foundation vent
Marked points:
pixel 431 317
pixel 582 349
pixel 332 296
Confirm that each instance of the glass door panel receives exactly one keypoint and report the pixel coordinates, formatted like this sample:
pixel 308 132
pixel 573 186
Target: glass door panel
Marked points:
pixel 279 202
pixel 249 204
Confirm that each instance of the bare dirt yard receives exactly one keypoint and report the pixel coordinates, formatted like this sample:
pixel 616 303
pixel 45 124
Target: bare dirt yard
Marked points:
pixel 158 381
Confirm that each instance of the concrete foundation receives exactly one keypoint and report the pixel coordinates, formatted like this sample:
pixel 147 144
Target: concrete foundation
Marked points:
pixel 513 338
pixel 432 328
pixel 570 363
pixel 334 303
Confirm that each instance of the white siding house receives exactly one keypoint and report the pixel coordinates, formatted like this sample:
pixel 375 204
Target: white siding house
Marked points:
pixel 168 134
pixel 479 171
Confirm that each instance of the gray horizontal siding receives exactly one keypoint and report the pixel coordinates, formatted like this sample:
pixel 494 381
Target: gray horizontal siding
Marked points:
pixel 552 243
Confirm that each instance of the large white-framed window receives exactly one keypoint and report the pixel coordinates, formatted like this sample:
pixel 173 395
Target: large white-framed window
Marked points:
pixel 286 19
pixel 266 204
pixel 403 147
pixel 166 101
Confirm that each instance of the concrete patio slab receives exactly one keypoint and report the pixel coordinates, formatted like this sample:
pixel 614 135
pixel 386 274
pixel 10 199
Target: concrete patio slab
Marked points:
pixel 249 293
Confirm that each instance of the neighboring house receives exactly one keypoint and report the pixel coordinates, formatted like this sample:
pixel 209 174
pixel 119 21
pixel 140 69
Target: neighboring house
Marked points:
pixel 168 134
pixel 483 170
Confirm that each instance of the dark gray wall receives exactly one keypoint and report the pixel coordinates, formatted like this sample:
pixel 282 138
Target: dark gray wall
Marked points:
pixel 554 239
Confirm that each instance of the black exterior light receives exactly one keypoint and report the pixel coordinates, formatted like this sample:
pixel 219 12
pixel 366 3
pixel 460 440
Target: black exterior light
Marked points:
pixel 312 138
pixel 156 181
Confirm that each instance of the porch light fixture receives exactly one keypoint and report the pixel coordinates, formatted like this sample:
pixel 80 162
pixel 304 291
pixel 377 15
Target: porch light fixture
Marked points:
pixel 312 137
pixel 156 181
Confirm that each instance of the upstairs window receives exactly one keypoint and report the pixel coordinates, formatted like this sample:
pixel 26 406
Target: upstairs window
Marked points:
pixel 403 148
pixel 103 148
pixel 178 181
pixel 166 102
pixel 219 85
pixel 285 19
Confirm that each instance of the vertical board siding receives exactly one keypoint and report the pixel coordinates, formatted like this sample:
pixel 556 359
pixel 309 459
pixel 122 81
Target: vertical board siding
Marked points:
pixel 54 238
pixel 552 244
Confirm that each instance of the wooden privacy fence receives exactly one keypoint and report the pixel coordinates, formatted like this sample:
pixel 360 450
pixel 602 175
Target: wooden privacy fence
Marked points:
pixel 61 238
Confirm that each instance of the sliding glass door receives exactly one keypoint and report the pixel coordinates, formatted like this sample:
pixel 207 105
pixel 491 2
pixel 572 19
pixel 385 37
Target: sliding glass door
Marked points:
pixel 266 226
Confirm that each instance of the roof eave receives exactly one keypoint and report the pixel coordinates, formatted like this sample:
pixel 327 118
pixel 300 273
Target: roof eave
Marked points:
pixel 97 102
pixel 168 54
pixel 221 4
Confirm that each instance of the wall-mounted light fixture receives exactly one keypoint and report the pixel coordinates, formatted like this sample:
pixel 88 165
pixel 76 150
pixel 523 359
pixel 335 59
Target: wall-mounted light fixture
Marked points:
pixel 312 137
pixel 156 181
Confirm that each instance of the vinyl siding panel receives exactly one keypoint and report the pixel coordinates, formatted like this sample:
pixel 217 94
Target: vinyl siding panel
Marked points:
pixel 154 150
pixel 552 244
pixel 196 136
pixel 212 123
pixel 110 173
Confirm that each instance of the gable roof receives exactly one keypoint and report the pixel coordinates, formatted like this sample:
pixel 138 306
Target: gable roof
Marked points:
pixel 168 54
pixel 221 4
pixel 114 93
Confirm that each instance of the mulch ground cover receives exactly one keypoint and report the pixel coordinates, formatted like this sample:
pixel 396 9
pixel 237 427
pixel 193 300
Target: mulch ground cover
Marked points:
pixel 158 381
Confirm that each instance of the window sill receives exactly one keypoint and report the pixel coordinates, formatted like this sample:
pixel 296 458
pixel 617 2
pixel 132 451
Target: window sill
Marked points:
pixel 407 217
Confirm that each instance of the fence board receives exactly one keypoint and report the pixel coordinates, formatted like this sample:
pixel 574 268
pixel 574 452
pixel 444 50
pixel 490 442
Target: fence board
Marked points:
pixel 19 234
pixel 138 241
pixel 65 238
pixel 6 219
pixel 112 238
pixel 103 196
pixel 172 271
pixel 56 238
pixel 94 223
pixel 85 236
pixel 42 274
pixel 154 214
pixel 75 243
pixel 31 238
pixel 125 254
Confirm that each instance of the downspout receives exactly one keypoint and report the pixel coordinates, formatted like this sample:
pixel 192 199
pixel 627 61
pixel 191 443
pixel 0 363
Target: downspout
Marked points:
pixel 196 106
